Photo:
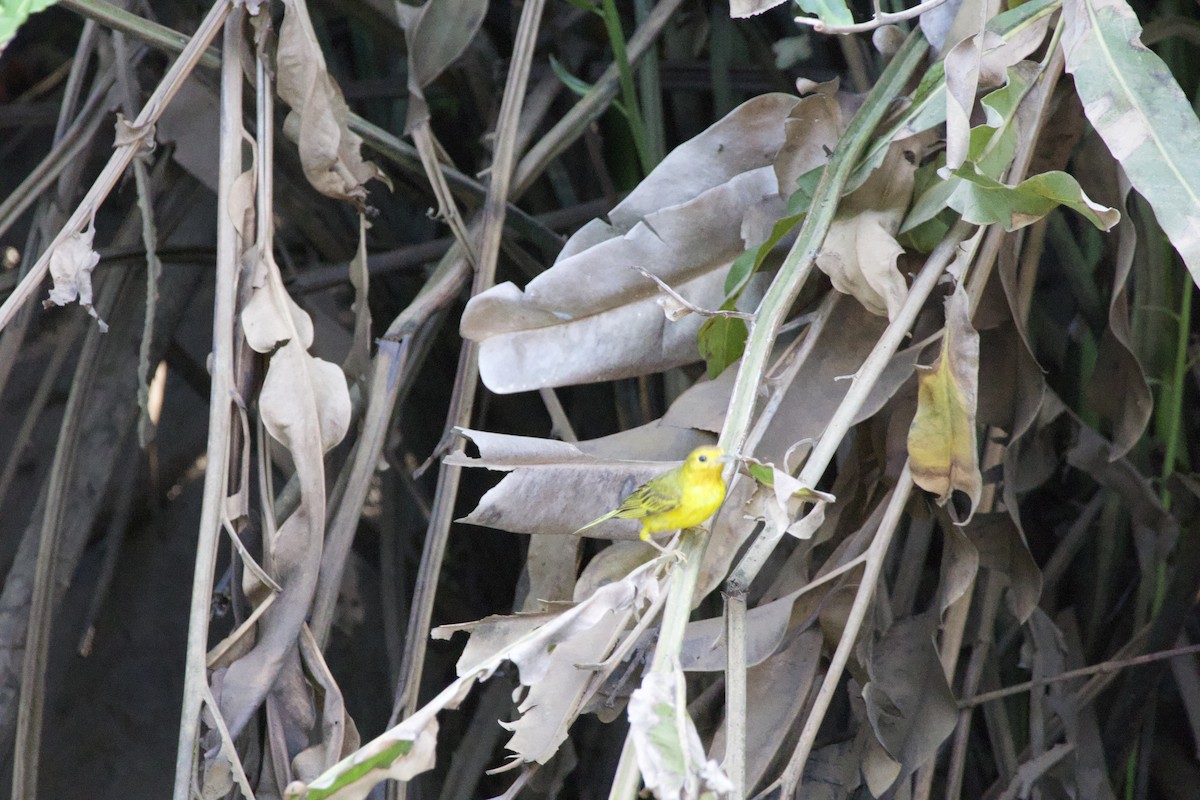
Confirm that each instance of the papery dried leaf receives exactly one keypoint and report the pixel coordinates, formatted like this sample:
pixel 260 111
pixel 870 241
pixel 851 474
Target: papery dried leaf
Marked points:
pixel 409 748
pixel 591 317
pixel 741 9
pixel 437 34
pixel 330 152
pixel 960 563
pixel 811 130
pixel 669 753
pixel 1118 387
pixel 302 393
pixel 553 704
pixel 127 134
pixel 821 383
pixel 399 753
pixel 860 252
pixel 575 486
pixel 779 503
pixel 266 329
pixel 71 265
pixel 704 650
pixel 1001 547
pixel 962 81
pixel 909 702
pixel 941 442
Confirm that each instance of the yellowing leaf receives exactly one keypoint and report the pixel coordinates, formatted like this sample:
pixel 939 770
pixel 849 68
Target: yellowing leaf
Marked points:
pixel 941 440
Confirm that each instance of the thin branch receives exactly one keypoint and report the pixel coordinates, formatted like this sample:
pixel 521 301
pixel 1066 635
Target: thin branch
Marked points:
pixel 120 159
pixel 220 410
pixel 1115 665
pixel 878 21
pixel 690 306
pixel 467 379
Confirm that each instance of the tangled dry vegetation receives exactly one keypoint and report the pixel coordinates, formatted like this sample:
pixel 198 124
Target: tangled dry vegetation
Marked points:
pixel 934 296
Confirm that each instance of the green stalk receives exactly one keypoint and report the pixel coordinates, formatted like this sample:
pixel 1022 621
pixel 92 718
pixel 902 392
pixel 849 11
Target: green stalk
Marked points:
pixel 629 98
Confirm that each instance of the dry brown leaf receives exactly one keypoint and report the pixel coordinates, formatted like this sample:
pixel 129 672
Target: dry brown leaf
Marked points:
pixel 305 406
pixel 71 266
pixel 531 643
pixel 591 316
pixel 1118 387
pixel 860 252
pixel 909 703
pixel 822 381
pixel 811 131
pixel 436 35
pixel 941 440
pixel 330 153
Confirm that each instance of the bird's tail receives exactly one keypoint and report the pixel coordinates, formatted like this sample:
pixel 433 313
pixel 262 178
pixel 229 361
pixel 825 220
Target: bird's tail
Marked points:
pixel 597 521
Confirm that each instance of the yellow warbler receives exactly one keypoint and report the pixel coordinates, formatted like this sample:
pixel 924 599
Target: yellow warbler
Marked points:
pixel 681 498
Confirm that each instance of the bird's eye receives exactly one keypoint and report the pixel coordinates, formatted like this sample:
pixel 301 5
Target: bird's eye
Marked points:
pixel 702 458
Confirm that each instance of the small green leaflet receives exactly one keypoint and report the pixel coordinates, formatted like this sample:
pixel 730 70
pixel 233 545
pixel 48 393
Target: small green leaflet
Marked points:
pixel 721 341
pixel 830 12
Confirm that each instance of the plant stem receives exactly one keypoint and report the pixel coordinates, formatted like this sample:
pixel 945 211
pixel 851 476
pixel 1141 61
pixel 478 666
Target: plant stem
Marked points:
pixel 220 410
pixel 629 98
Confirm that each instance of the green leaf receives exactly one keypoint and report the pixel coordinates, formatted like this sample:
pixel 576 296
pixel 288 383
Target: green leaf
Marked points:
pixel 928 104
pixel 923 238
pixel 576 85
pixel 985 201
pixel 806 187
pixel 745 265
pixel 762 473
pixel 357 772
pixel 740 271
pixel 992 145
pixel 13 14
pixel 830 12
pixel 1133 101
pixel 721 340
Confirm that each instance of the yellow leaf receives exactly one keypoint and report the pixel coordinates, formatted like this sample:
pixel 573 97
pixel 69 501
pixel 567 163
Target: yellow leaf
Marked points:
pixel 941 441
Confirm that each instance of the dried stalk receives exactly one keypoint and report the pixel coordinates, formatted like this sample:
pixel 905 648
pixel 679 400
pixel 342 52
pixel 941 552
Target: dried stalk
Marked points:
pixel 120 158
pixel 467 380
pixel 220 410
pixel 790 779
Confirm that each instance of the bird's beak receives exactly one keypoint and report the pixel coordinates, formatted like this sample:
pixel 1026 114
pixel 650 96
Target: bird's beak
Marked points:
pixel 727 459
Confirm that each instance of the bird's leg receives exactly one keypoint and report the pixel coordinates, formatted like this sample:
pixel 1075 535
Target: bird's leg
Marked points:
pixel 670 551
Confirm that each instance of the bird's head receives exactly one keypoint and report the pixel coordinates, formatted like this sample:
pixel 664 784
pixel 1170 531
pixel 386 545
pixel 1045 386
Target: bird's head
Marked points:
pixel 706 459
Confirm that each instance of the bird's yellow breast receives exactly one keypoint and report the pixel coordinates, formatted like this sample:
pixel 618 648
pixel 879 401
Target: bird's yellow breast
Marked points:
pixel 703 493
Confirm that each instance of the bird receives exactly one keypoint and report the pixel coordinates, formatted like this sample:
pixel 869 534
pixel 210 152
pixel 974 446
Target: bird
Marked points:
pixel 679 498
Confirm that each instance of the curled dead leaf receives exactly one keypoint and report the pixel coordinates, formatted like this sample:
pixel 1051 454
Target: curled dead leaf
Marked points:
pixel 330 152
pixel 71 266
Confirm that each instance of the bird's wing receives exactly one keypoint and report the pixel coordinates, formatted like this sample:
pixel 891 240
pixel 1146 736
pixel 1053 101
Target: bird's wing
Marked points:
pixel 650 499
